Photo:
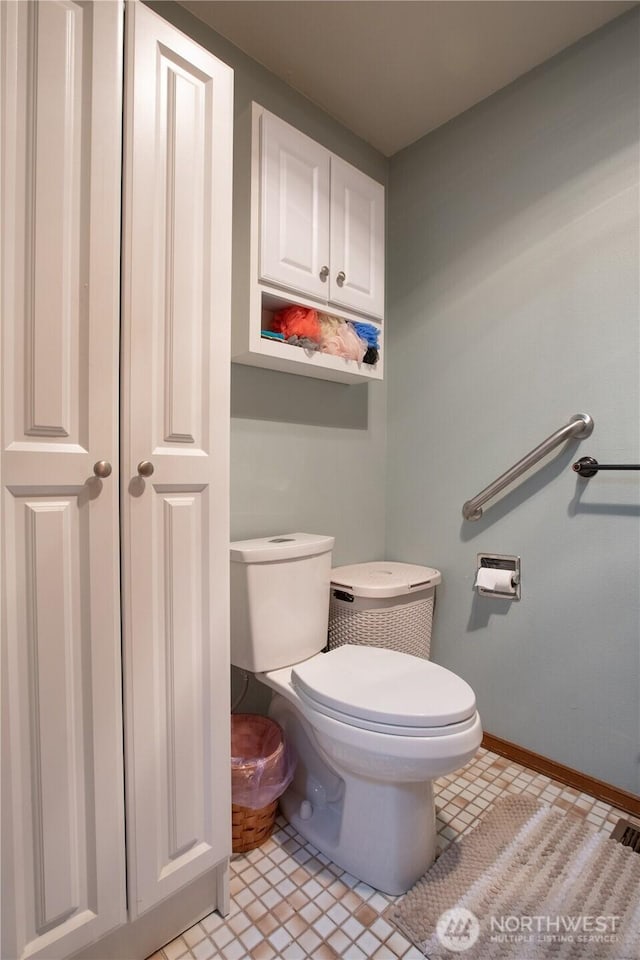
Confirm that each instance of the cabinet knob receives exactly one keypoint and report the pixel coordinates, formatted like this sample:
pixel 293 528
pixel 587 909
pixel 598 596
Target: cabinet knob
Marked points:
pixel 324 273
pixel 145 468
pixel 102 469
pixel 340 279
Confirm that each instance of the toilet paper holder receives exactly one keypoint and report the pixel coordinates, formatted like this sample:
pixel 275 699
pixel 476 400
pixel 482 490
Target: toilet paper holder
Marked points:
pixel 501 562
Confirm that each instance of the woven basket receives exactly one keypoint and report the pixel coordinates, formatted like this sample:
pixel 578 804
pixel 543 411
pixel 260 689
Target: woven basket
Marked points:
pixel 253 737
pixel 405 627
pixel 250 828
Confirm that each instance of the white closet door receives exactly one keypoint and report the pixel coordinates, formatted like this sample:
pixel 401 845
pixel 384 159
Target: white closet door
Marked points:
pixel 294 216
pixel 357 240
pixel 63 865
pixel 176 325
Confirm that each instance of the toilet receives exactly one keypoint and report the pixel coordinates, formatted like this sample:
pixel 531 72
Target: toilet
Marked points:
pixel 372 727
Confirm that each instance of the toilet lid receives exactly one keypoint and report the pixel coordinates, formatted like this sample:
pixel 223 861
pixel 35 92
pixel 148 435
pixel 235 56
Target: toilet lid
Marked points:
pixel 385 686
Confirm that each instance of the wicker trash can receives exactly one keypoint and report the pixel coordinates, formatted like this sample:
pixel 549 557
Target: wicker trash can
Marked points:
pixel 383 604
pixel 262 767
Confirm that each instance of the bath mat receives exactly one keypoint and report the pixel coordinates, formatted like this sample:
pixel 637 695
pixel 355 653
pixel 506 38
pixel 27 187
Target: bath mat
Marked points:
pixel 529 882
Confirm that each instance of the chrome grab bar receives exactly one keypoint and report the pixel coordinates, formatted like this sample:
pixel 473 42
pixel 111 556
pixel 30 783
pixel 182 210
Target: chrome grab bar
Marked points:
pixel 579 427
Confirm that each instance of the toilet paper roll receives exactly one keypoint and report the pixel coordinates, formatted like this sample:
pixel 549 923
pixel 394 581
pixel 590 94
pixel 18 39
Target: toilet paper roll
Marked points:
pixel 496 581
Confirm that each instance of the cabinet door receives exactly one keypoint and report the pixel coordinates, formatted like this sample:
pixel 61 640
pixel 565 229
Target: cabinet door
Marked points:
pixel 357 240
pixel 176 325
pixel 294 214
pixel 63 864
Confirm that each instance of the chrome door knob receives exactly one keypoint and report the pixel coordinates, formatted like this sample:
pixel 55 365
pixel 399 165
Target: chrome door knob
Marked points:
pixel 102 469
pixel 340 279
pixel 324 273
pixel 145 468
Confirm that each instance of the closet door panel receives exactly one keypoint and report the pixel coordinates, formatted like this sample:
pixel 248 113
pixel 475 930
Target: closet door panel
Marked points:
pixel 176 311
pixel 63 876
pixel 45 600
pixel 55 233
pixel 181 519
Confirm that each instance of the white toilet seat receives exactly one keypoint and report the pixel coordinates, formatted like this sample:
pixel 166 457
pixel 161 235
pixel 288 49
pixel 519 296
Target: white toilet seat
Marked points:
pixel 385 691
pixel 391 729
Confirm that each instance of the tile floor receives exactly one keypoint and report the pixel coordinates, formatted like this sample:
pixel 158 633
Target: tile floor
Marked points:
pixel 288 901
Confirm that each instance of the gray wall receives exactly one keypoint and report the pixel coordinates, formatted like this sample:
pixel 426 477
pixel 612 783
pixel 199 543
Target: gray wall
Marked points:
pixel 513 304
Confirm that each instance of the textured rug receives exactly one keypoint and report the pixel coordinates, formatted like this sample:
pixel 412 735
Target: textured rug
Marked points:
pixel 529 882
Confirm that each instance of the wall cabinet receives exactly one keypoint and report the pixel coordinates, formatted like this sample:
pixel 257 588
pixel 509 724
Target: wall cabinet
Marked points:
pixel 114 510
pixel 313 229
pixel 321 222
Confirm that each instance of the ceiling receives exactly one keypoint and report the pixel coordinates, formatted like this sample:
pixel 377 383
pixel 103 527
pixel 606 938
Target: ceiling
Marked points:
pixel 392 70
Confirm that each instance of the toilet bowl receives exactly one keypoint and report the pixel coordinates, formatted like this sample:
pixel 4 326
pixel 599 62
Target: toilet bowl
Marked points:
pixel 372 727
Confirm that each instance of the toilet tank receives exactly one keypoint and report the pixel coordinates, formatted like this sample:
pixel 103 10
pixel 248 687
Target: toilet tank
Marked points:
pixel 279 599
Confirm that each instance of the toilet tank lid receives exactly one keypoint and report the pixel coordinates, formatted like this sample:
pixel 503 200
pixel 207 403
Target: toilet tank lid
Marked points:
pixel 285 546
pixel 382 578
